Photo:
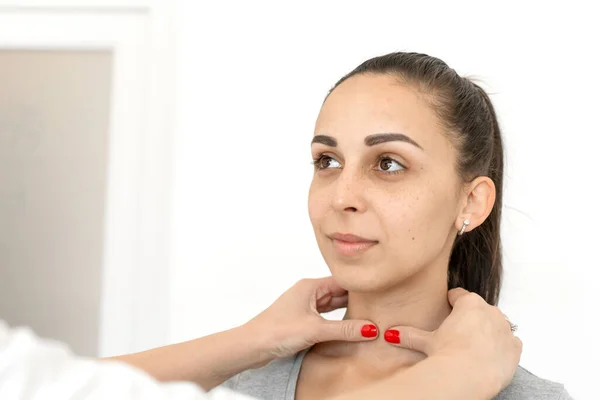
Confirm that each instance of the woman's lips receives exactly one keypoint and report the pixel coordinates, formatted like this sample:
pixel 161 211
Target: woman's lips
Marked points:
pixel 351 245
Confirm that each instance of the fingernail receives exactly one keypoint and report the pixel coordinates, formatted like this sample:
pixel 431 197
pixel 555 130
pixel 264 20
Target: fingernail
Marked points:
pixel 392 336
pixel 369 331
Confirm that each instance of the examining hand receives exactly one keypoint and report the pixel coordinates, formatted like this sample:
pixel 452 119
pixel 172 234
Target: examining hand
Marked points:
pixel 474 332
pixel 295 323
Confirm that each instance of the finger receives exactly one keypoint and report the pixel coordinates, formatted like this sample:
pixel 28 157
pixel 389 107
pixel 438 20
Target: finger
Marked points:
pixel 455 294
pixel 334 304
pixel 337 301
pixel 347 331
pixel 323 301
pixel 409 337
pixel 519 345
pixel 327 286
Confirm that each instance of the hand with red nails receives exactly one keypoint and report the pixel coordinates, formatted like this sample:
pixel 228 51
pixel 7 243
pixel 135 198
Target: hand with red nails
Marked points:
pixel 475 332
pixel 473 354
pixel 294 322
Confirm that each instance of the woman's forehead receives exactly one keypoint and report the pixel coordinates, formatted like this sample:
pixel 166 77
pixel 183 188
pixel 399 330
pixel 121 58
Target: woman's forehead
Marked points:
pixel 370 104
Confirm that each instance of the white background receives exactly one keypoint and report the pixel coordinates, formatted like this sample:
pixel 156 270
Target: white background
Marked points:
pixel 208 221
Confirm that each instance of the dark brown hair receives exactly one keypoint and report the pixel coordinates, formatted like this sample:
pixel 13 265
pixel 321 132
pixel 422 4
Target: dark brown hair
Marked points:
pixel 467 114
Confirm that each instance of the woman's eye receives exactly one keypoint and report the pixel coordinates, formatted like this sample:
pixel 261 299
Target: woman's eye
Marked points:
pixel 389 165
pixel 325 162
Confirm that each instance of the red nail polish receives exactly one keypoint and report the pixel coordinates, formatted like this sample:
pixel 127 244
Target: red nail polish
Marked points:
pixel 392 336
pixel 369 331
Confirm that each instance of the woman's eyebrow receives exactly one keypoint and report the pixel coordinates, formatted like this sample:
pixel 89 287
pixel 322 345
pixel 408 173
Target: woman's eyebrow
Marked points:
pixel 324 139
pixel 371 140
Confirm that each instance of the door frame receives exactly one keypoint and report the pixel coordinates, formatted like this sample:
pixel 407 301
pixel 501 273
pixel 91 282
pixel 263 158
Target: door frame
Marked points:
pixel 135 285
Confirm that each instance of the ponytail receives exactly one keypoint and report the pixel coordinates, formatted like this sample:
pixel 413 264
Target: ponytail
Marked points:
pixel 476 258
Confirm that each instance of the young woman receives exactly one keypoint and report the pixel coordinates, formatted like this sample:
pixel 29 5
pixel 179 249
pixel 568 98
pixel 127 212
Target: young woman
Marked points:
pixel 405 203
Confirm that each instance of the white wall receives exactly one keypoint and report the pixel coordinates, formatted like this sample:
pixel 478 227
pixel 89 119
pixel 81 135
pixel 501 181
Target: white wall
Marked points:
pixel 251 77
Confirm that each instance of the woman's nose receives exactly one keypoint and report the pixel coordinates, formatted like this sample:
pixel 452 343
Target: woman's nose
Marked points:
pixel 348 193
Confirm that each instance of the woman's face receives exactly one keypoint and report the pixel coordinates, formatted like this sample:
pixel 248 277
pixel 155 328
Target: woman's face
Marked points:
pixel 385 195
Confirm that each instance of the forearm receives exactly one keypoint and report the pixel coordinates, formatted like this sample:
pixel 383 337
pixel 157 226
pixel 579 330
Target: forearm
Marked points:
pixel 208 361
pixel 433 378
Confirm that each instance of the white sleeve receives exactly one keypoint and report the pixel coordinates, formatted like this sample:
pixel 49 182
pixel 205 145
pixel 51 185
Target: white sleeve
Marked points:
pixel 36 369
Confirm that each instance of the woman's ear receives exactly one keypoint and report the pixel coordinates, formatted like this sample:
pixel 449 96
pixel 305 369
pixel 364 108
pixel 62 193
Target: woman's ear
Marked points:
pixel 478 204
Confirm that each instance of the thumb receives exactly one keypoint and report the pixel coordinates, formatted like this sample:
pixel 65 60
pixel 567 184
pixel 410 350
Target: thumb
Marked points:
pixel 351 330
pixel 455 294
pixel 409 337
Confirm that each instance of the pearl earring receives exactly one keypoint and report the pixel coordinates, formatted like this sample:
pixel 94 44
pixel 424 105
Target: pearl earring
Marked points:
pixel 464 227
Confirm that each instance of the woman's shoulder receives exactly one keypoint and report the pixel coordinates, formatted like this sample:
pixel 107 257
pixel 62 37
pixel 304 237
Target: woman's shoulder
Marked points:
pixel 275 380
pixel 526 386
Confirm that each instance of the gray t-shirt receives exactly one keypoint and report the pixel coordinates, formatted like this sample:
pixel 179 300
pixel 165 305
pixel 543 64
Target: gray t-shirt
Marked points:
pixel 278 379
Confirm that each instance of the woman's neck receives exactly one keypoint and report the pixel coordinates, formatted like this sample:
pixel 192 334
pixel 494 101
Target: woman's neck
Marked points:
pixel 420 302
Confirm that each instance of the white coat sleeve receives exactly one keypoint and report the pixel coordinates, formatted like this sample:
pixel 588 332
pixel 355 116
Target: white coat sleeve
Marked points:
pixel 35 369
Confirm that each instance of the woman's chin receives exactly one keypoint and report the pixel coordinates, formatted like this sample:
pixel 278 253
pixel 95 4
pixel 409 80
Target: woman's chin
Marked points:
pixel 360 281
